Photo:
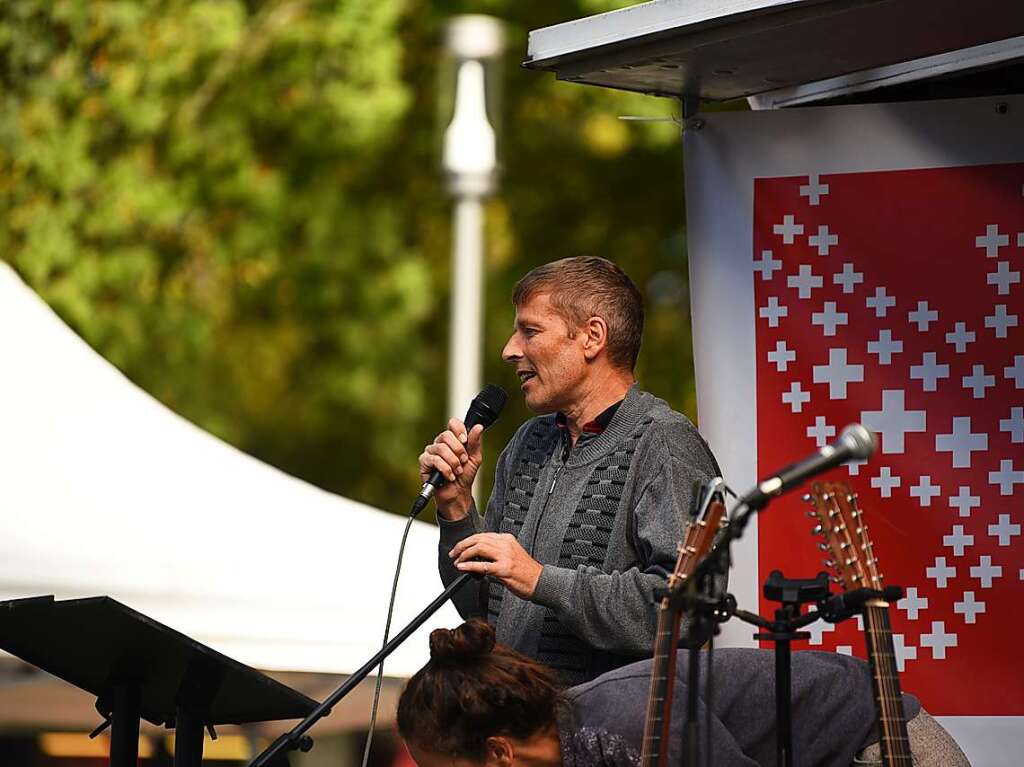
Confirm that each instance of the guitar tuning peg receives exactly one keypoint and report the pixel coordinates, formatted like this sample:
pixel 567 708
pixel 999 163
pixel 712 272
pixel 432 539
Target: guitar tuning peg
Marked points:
pixel 828 563
pixel 807 498
pixel 823 546
pixel 817 530
pixel 811 514
pixel 834 579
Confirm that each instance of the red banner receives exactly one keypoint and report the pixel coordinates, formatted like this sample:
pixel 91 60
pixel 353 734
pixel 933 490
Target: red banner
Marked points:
pixel 895 299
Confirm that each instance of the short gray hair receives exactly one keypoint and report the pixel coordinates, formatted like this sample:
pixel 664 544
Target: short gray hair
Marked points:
pixel 585 286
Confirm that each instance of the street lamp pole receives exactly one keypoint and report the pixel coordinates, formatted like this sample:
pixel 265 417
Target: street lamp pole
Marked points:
pixel 470 164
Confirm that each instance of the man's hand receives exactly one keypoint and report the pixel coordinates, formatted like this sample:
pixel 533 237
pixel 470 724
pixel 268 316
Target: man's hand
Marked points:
pixel 457 454
pixel 501 557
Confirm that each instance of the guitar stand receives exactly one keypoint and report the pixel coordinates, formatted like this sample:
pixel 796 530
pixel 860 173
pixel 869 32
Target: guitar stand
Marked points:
pixel 792 594
pixel 707 614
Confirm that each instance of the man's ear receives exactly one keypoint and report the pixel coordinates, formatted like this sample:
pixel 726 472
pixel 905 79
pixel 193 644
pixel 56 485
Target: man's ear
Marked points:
pixel 595 337
pixel 499 752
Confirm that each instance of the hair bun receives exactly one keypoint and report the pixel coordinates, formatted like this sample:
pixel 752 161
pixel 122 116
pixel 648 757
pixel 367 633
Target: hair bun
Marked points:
pixel 471 640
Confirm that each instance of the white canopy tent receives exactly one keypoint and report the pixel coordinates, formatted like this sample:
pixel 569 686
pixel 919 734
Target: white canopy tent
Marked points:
pixel 106 491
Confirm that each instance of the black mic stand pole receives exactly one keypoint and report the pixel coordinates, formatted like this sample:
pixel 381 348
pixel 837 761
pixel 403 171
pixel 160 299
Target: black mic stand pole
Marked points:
pixel 296 739
pixel 709 613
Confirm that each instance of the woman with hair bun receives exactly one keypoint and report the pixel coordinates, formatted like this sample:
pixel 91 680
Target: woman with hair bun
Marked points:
pixel 478 703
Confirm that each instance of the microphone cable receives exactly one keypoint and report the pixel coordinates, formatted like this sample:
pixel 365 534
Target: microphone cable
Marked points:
pixel 387 631
pixel 484 409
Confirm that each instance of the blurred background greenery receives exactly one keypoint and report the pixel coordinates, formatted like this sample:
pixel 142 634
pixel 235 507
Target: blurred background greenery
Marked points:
pixel 239 204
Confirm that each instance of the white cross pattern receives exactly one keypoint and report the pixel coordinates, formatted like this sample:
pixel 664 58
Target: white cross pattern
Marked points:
pixel 922 316
pixel 788 229
pixel 894 421
pixel 1004 531
pixel 977 381
pixel 938 640
pixel 821 431
pixel 961 442
pixel 818 629
pixel 929 371
pixel 854 467
pixel 1014 425
pixel 992 240
pixel 1006 477
pixel 958 540
pixel 1001 321
pixel 1003 278
pixel 1020 239
pixel 960 337
pixel 773 311
pixel 829 318
pixel 844 649
pixel 941 572
pixel 880 302
pixel 969 607
pixel 838 373
pixel 912 603
pixel 1015 372
pixel 782 356
pixel 813 190
pixel 885 482
pixel 823 240
pixel 796 397
pixel 924 490
pixel 903 651
pixel 848 278
pixel 767 265
pixel 963 501
pixel 986 572
pixel 805 281
pixel 885 346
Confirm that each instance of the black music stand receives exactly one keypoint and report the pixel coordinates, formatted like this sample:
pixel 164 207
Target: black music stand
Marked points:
pixel 139 668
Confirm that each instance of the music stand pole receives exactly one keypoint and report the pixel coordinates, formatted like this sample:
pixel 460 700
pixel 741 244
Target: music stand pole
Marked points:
pixel 296 738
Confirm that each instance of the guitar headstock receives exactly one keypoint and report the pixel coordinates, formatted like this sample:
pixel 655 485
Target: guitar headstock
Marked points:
pixel 700 536
pixel 841 524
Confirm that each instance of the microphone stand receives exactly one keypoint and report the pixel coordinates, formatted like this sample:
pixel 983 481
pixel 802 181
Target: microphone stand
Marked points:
pixel 710 612
pixel 296 739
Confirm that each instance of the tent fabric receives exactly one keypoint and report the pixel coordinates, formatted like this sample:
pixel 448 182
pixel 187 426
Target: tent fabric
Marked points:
pixel 104 490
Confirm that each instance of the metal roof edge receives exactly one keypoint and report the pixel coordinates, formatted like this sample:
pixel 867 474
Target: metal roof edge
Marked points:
pixel 548 45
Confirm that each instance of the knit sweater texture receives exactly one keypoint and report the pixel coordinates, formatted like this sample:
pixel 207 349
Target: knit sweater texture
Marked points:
pixel 605 523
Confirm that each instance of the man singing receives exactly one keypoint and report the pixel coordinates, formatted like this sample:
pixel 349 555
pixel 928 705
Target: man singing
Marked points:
pixel 590 498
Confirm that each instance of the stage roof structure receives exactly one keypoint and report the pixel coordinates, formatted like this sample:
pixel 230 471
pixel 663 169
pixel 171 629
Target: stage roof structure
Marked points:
pixel 105 491
pixel 781 52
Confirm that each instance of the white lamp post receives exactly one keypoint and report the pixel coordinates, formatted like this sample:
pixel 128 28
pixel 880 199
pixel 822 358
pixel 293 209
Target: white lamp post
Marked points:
pixel 470 164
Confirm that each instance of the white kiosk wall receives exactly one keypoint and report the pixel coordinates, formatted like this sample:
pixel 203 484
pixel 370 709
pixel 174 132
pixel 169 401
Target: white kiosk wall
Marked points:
pixel 864 263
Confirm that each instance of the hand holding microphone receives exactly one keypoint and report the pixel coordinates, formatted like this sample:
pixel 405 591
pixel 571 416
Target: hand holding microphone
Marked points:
pixel 450 463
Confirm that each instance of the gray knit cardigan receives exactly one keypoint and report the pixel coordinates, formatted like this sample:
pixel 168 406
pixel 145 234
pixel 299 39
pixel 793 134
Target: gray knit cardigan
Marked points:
pixel 605 523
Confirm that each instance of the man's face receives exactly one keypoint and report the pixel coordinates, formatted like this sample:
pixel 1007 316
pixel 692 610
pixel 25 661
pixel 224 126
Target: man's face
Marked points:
pixel 550 364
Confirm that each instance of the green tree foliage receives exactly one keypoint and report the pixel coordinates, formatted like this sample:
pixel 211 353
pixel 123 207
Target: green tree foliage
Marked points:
pixel 239 204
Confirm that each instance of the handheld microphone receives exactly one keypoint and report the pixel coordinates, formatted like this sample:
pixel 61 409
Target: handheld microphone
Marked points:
pixel 484 409
pixel 855 443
